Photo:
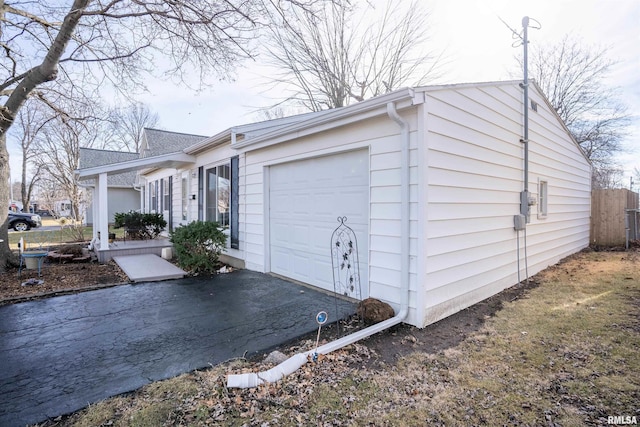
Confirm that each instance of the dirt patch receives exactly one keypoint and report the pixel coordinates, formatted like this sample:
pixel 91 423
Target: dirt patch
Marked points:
pixel 389 346
pixel 58 279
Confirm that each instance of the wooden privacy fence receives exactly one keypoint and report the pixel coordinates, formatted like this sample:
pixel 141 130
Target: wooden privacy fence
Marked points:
pixel 614 217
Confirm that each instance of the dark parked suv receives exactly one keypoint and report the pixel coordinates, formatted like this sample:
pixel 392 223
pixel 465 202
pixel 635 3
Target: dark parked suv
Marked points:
pixel 23 221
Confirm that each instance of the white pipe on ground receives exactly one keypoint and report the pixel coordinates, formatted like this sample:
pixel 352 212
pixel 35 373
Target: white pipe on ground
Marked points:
pixel 296 361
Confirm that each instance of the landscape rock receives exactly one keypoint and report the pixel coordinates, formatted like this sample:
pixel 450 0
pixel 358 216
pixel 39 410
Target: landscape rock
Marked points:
pixel 373 311
pixel 275 357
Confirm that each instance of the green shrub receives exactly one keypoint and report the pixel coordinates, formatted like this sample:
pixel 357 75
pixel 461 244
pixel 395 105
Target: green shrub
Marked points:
pixel 198 245
pixel 140 225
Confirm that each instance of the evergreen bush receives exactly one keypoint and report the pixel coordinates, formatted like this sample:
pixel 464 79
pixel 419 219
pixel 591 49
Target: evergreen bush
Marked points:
pixel 139 226
pixel 198 245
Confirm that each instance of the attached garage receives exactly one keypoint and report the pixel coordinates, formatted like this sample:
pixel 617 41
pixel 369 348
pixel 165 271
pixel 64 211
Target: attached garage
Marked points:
pixel 305 199
pixel 432 181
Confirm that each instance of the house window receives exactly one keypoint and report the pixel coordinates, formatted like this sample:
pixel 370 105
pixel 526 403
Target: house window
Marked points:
pixel 166 198
pixel 185 195
pixel 218 195
pixel 153 196
pixel 543 197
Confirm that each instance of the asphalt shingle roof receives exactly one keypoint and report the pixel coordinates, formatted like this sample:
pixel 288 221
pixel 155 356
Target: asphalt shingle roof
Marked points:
pixel 164 142
pixel 91 157
pixel 158 142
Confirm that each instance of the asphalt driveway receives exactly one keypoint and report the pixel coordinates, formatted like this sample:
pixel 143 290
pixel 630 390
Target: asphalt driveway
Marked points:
pixel 57 355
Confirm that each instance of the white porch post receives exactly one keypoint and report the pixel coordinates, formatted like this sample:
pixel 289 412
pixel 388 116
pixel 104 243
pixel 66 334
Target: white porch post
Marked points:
pixel 103 215
pixel 95 212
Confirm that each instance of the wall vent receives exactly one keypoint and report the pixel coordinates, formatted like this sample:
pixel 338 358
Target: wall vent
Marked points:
pixel 534 106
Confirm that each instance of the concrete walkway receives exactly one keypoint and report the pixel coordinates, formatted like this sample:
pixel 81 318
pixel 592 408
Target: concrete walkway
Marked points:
pixel 60 354
pixel 148 268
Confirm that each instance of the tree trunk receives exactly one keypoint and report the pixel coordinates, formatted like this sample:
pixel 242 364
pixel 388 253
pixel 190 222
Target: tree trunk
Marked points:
pixel 6 257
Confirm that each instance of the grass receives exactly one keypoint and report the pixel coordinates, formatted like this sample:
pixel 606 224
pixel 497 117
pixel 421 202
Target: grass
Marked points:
pixel 44 238
pixel 567 353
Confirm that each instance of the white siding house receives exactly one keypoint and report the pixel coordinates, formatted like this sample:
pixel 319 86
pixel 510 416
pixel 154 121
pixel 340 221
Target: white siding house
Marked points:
pixel 122 194
pixel 429 178
pixel 162 187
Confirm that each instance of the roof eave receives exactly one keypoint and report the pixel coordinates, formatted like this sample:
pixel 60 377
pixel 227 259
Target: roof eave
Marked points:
pixel 208 143
pixel 170 160
pixel 332 118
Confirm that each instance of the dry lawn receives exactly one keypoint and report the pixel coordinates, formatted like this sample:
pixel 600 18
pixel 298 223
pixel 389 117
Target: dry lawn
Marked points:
pixel 567 354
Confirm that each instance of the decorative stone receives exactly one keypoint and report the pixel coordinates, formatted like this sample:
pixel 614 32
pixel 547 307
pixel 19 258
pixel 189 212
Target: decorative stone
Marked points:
pixel 372 311
pixel 275 357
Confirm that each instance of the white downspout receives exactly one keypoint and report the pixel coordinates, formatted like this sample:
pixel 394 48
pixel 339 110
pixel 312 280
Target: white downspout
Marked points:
pixel 296 361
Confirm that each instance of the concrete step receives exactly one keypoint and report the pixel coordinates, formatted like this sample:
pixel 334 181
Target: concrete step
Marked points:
pixel 148 268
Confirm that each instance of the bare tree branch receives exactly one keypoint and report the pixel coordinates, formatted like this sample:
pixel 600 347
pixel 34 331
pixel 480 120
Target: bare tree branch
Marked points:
pixel 74 47
pixel 128 126
pixel 573 76
pixel 328 58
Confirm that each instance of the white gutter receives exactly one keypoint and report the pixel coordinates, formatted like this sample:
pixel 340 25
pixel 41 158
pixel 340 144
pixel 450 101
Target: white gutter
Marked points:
pixel 298 360
pixel 328 117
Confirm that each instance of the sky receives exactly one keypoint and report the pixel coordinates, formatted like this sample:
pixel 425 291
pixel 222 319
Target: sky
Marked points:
pixel 477 47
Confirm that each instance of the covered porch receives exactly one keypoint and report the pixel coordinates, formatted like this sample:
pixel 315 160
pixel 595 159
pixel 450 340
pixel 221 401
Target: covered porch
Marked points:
pixel 132 247
pixel 104 249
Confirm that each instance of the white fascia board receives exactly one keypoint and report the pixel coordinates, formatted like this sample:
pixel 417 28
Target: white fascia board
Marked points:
pixel 208 143
pixel 162 161
pixel 236 134
pixel 434 88
pixel 333 118
pixel 264 126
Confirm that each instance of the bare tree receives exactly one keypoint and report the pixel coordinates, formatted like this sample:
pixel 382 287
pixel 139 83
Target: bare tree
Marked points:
pixel 91 43
pixel 15 189
pixel 635 178
pixel 128 126
pixel 329 58
pixel 30 123
pixel 58 153
pixel 273 113
pixel 608 177
pixel 573 76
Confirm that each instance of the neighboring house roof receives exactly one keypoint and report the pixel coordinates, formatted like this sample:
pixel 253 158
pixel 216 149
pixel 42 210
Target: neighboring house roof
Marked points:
pixel 159 148
pixel 91 157
pixel 157 142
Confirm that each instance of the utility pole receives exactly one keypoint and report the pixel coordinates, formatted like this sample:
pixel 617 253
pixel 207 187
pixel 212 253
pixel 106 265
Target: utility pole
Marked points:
pixel 524 196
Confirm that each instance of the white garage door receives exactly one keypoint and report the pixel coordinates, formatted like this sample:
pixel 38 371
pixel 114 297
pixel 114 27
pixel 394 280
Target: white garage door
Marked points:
pixel 306 197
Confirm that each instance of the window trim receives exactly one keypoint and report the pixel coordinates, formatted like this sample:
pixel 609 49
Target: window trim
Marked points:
pixel 184 188
pixel 231 228
pixel 153 197
pixel 543 198
pixel 207 202
pixel 166 193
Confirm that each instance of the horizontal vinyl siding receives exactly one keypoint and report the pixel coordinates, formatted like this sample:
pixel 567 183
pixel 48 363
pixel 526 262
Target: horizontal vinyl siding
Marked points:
pixel 217 156
pixel 566 227
pixel 381 136
pixel 254 216
pixel 119 200
pixel 475 175
pixel 385 225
